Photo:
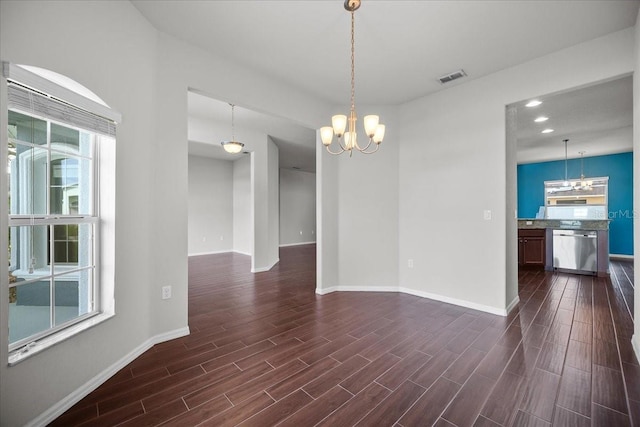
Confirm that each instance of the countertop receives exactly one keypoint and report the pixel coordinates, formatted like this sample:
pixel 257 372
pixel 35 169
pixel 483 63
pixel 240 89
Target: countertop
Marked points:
pixel 566 224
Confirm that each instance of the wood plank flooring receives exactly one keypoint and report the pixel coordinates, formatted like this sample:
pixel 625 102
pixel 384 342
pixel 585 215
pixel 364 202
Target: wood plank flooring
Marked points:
pixel 266 350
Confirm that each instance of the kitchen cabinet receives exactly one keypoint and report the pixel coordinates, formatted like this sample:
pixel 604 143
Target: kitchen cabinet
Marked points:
pixel 531 248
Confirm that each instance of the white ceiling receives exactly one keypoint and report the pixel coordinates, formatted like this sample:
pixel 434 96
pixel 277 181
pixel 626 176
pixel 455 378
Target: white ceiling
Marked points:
pixel 597 119
pixel 210 123
pixel 402 47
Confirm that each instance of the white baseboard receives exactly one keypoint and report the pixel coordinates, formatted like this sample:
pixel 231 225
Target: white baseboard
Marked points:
pixel 513 304
pixel 326 290
pixel 219 252
pixel 616 256
pixel 455 301
pixel 262 269
pixel 436 297
pixel 297 244
pixel 635 343
pixel 59 408
pixel 210 253
pixel 357 289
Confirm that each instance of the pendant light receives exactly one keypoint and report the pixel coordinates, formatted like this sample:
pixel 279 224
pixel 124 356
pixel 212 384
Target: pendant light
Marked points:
pixel 584 184
pixel 345 127
pixel 566 160
pixel 233 146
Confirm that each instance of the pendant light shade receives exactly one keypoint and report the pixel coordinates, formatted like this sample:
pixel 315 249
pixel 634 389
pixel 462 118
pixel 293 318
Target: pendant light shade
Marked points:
pixel 232 147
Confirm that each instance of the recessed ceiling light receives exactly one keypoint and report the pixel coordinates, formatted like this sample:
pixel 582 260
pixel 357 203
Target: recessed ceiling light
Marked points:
pixel 533 103
pixel 541 119
pixel 547 131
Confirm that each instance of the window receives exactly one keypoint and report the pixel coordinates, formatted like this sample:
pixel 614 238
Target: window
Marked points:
pixel 54 218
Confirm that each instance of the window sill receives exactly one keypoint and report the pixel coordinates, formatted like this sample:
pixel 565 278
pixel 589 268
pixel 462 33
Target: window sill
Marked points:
pixel 41 345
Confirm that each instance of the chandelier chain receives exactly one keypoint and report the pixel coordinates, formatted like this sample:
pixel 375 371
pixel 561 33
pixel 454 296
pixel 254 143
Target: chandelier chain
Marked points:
pixel 353 63
pixel 233 126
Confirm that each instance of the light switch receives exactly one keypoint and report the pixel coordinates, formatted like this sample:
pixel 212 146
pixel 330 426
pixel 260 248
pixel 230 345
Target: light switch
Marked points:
pixel 487 214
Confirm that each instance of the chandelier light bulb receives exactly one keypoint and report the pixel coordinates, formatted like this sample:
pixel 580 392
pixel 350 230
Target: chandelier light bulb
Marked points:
pixel 378 136
pixel 370 125
pixel 339 123
pixel 350 140
pixel 326 133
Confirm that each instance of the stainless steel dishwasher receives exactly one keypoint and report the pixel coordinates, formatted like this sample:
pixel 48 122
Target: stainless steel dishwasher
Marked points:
pixel 575 250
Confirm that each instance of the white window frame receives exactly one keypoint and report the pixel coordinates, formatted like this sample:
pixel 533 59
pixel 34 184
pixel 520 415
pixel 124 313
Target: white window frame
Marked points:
pixel 101 219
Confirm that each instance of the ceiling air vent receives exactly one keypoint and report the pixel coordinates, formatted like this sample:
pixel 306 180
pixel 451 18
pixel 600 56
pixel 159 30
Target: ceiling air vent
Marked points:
pixel 452 76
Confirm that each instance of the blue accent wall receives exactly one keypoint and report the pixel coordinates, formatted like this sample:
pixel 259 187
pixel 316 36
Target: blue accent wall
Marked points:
pixel 619 169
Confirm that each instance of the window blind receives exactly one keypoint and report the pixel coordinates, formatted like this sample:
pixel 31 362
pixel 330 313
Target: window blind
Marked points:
pixel 30 101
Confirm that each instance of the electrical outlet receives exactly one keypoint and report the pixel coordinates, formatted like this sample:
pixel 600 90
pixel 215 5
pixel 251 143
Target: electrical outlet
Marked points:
pixel 204 239
pixel 410 263
pixel 166 292
pixel 301 232
pixel 221 237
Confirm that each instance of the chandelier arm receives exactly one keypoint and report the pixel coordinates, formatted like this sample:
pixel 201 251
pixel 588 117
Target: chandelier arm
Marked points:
pixel 365 148
pixel 372 151
pixel 335 153
pixel 342 146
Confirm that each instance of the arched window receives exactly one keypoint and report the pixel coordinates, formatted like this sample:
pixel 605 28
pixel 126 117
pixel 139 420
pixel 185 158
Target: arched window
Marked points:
pixel 57 131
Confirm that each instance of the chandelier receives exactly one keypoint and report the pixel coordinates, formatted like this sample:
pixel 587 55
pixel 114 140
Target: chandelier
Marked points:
pixel 344 127
pixel 233 146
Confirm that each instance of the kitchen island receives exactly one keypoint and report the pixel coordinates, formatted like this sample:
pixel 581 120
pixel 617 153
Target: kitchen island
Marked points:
pixel 596 229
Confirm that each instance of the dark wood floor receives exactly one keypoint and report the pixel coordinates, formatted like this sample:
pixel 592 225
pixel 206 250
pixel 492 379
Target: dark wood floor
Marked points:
pixel 264 349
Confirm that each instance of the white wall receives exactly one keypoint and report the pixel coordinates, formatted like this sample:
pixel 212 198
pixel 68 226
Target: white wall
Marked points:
pixel 297 207
pixel 265 205
pixel 453 166
pixel 121 71
pixel 210 205
pixel 511 297
pixel 242 206
pixel 358 201
pixel 131 70
pixel 273 191
pixel 327 179
pixel 368 214
pixel 636 184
